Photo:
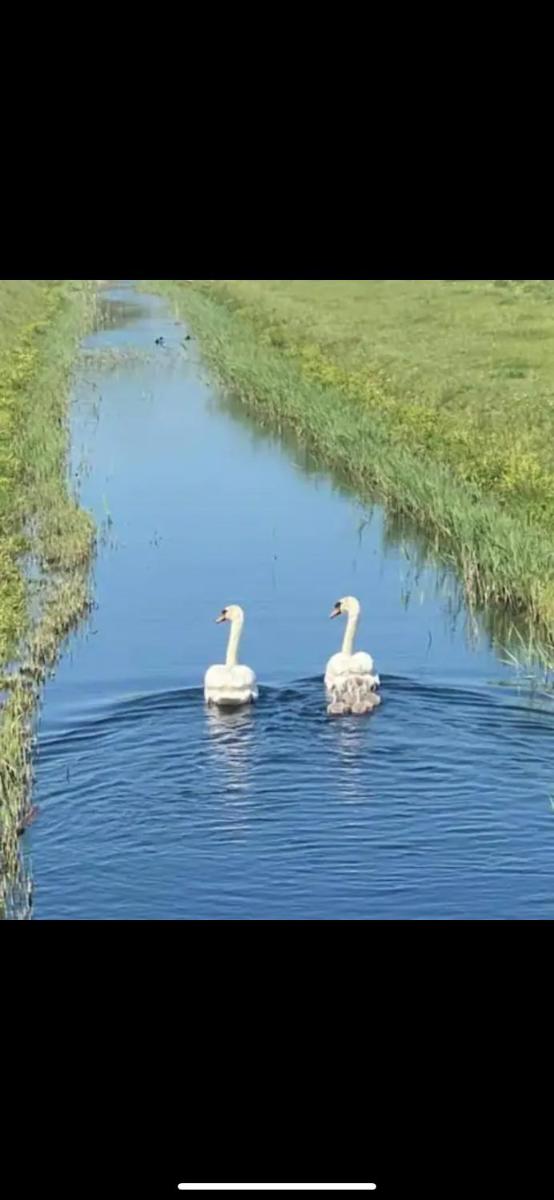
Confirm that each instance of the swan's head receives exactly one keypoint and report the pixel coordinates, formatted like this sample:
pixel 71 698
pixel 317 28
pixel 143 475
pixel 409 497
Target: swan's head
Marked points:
pixel 233 612
pixel 348 605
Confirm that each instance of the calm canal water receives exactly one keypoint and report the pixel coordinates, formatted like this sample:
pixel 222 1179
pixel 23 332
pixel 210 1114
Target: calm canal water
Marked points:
pixel 439 806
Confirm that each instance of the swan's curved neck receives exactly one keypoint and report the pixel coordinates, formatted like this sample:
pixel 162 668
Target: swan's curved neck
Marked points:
pixel 234 639
pixel 350 633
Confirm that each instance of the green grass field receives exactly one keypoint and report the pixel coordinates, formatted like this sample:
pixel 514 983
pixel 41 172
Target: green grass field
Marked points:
pixel 435 396
pixel 40 523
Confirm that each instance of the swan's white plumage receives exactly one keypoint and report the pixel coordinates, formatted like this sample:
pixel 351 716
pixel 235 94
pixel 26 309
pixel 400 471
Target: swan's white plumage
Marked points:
pixel 350 678
pixel 229 684
pixel 341 665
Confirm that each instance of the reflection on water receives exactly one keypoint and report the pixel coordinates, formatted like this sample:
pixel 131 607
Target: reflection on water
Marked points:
pixel 231 744
pixel 351 739
pixel 438 805
pixel 112 313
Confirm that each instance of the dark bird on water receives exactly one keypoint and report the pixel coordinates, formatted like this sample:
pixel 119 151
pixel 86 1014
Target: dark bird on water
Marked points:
pixel 27 820
pixel 159 341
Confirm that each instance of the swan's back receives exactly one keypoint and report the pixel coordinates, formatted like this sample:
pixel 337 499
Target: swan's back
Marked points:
pixel 343 667
pixel 351 684
pixel 230 685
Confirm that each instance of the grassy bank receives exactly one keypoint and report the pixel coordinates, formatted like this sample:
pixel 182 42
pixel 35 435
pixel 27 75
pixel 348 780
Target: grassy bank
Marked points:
pixel 45 539
pixel 435 396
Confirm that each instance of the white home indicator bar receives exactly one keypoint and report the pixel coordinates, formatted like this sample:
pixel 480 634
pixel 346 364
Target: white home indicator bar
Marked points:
pixel 277 1187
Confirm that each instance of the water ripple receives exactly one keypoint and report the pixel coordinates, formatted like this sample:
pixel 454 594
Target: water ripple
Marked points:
pixel 280 807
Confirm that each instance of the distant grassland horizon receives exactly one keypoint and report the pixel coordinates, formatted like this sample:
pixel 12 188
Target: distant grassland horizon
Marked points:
pixel 436 396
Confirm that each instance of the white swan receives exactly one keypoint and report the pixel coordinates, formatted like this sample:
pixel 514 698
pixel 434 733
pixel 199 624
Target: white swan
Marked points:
pixel 230 685
pixel 349 678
